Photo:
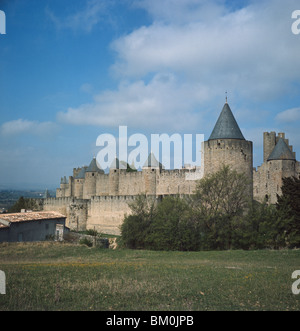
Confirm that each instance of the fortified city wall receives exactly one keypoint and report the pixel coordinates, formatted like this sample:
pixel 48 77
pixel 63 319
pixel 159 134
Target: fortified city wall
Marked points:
pixel 92 199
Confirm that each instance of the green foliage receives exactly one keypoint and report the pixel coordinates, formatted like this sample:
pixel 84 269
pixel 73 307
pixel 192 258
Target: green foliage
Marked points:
pixel 129 169
pixel 289 204
pixel 86 241
pixel 136 226
pixel 291 195
pixel 222 194
pixel 173 227
pixel 23 203
pixel 262 227
pixel 92 232
pixel 167 225
pixel 218 216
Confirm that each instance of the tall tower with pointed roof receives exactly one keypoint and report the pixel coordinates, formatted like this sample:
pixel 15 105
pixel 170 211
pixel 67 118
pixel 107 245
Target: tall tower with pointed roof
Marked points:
pixel 114 177
pixel 151 170
pixel 79 182
pixel 227 146
pixel 89 187
pixel 279 162
pixel 92 199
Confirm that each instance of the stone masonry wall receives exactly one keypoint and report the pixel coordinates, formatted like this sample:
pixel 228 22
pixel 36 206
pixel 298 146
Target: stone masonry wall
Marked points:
pixel 175 182
pixel 74 209
pixel 267 179
pixel 106 214
pixel 236 153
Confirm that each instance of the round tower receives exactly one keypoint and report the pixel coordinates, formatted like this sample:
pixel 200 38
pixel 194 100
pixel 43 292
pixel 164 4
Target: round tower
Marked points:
pixel 114 173
pixel 89 186
pixel 281 163
pixel 227 146
pixel 78 183
pixel 150 170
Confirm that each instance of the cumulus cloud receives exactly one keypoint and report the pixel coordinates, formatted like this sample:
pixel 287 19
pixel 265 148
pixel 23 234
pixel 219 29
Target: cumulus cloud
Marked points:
pixel 21 126
pixel 203 48
pixel 161 102
pixel 252 49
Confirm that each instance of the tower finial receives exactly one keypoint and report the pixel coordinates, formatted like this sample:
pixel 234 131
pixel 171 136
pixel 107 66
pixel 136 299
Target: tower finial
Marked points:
pixel 226 96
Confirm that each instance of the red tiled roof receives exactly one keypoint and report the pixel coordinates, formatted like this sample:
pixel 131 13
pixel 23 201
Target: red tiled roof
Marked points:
pixel 29 216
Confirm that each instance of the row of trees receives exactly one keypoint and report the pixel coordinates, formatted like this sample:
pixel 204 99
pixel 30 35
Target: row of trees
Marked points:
pixel 218 216
pixel 23 203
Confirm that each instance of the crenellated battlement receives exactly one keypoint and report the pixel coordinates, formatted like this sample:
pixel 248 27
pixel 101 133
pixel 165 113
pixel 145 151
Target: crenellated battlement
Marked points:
pixel 92 199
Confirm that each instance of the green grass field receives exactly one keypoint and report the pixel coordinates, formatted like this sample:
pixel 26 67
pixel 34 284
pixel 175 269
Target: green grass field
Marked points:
pixel 56 276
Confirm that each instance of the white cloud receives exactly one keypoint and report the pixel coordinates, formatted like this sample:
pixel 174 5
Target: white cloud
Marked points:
pixel 183 11
pixel 289 115
pixel 174 72
pixel 84 19
pixel 163 102
pixel 251 49
pixel 21 126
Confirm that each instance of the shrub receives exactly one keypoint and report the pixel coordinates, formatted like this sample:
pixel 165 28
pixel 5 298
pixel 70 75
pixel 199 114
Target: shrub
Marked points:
pixel 218 216
pixel 92 232
pixel 86 241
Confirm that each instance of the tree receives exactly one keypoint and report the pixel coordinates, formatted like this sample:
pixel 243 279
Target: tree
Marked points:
pixel 173 227
pixel 288 205
pixel 135 227
pixel 223 193
pixel 220 215
pixel 263 227
pixel 23 203
pixel 220 198
pixel 167 225
pixel 290 195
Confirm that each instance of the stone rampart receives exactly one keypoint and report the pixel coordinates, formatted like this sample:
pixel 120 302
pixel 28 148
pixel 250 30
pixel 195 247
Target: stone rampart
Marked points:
pixel 74 209
pixel 106 213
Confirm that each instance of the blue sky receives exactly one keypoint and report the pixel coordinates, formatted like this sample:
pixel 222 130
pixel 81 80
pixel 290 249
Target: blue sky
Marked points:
pixel 72 70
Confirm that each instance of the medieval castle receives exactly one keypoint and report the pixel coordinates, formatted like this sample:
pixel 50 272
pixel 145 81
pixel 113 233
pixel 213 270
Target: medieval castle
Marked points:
pixel 92 199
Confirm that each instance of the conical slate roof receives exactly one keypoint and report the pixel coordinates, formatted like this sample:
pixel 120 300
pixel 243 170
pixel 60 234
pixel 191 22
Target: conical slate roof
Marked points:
pixel 81 174
pixel 151 162
pixel 281 151
pixel 93 166
pixel 226 126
